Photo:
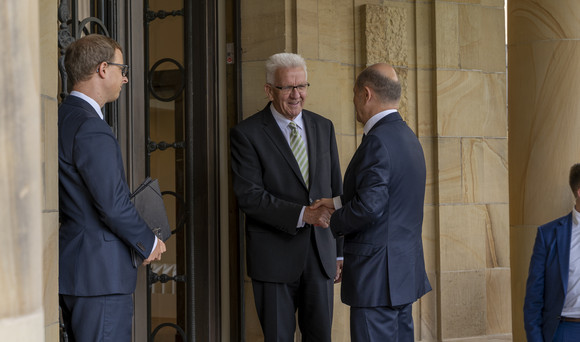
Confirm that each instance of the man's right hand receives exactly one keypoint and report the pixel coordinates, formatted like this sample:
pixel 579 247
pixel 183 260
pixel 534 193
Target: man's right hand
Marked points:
pixel 156 254
pixel 318 217
pixel 326 202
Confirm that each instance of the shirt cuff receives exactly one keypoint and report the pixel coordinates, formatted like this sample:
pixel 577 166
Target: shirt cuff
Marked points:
pixel 337 202
pixel 339 258
pixel 301 222
pixel 154 244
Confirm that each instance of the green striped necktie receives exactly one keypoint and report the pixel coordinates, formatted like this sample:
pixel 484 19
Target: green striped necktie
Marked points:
pixel 299 150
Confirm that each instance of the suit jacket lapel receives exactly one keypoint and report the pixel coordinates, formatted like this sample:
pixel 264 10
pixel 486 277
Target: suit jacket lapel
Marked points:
pixel 310 128
pixel 273 132
pixel 563 236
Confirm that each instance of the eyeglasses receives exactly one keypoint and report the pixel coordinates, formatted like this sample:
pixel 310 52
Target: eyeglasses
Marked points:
pixel 124 68
pixel 288 89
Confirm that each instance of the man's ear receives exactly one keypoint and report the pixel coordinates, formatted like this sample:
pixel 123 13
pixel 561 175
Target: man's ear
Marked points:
pixel 101 69
pixel 268 90
pixel 368 94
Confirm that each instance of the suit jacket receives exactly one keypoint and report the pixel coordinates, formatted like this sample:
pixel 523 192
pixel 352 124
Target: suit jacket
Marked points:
pixel 271 191
pixel 547 279
pixel 381 218
pixel 99 224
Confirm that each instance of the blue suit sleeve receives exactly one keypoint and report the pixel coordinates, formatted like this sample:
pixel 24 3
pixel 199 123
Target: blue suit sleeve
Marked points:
pixel 534 300
pixel 372 192
pixel 97 156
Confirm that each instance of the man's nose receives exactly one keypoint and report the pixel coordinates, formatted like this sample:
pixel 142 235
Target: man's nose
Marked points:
pixel 294 92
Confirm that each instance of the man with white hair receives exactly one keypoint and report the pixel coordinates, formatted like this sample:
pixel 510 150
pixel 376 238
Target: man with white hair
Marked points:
pixel 283 158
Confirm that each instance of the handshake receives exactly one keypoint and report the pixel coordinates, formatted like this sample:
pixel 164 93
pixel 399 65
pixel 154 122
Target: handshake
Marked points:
pixel 319 213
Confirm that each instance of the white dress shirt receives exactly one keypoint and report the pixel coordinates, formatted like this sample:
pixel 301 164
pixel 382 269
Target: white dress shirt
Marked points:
pixel 572 301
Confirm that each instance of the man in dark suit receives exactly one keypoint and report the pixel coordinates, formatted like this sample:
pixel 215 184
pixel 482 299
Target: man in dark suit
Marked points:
pixel 380 215
pixel 283 158
pixel 552 303
pixel 100 228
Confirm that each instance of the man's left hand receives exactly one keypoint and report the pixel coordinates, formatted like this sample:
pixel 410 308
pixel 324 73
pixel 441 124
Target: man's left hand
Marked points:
pixel 338 276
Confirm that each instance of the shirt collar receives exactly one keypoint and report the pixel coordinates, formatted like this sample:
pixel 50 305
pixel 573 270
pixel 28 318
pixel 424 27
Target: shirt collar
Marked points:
pixel 575 217
pixel 375 118
pixel 92 102
pixel 283 121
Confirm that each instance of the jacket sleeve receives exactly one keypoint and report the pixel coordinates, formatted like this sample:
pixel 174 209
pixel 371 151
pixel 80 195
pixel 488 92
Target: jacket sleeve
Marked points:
pixel 336 182
pixel 372 192
pixel 97 156
pixel 534 299
pixel 253 198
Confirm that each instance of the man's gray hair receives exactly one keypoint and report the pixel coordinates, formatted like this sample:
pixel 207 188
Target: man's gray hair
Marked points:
pixel 283 60
pixel 387 89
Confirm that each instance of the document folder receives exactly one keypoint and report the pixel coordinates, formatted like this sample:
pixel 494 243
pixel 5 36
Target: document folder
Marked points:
pixel 148 201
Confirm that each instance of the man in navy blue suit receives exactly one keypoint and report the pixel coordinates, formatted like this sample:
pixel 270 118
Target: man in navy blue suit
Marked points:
pixel 552 303
pixel 101 231
pixel 380 215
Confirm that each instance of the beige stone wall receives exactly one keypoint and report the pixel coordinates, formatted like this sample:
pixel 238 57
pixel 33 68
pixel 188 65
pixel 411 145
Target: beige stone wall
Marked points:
pixel 544 51
pixel 451 58
pixel 471 181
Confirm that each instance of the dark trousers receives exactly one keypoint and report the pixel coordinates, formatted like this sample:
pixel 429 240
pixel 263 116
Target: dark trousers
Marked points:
pixel 380 324
pixel 567 332
pixel 312 295
pixel 98 319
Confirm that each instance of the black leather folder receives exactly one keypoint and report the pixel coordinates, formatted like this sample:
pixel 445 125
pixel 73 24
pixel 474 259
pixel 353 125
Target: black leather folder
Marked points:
pixel 148 201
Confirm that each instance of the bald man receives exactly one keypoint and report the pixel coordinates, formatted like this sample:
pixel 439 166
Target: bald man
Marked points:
pixel 380 215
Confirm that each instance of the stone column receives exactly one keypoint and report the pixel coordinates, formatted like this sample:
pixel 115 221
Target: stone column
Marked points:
pixel 470 178
pixel 544 121
pixel 49 90
pixel 21 312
